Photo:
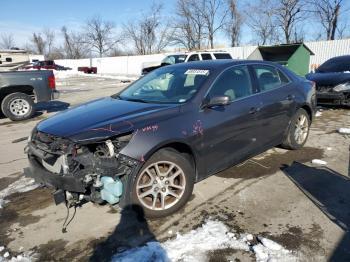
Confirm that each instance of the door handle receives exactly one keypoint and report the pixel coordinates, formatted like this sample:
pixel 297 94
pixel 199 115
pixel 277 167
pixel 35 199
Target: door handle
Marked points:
pixel 290 97
pixel 254 110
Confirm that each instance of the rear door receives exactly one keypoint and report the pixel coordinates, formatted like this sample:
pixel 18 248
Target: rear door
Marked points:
pixel 230 131
pixel 276 103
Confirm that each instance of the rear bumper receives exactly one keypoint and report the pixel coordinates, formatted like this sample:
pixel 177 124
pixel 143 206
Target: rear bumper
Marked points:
pixel 41 175
pixel 332 98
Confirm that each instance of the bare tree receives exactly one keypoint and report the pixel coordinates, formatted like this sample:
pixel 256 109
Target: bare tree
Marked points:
pixel 39 43
pixel 7 41
pixel 74 45
pixel 234 23
pixel 288 13
pixel 100 36
pixel 49 36
pixel 189 25
pixel 328 12
pixel 148 34
pixel 260 20
pixel 214 13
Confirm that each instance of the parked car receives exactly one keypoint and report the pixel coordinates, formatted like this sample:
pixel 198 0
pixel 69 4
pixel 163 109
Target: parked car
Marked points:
pixel 332 80
pixel 45 65
pixel 19 91
pixel 179 124
pixel 88 69
pixel 188 57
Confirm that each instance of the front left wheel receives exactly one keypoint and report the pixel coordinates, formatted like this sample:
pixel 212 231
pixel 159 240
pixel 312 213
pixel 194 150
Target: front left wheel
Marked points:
pixel 164 184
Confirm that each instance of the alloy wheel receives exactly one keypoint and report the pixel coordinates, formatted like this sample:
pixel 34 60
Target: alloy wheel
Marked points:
pixel 301 129
pixel 161 185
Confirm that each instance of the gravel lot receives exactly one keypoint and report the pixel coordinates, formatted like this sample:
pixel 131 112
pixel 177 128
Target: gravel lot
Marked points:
pixel 304 207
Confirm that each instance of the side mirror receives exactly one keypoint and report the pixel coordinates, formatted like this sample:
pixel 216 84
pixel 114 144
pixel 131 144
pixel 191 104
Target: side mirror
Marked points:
pixel 218 101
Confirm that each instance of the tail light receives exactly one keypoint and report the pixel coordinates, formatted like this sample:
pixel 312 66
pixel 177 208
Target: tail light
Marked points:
pixel 52 81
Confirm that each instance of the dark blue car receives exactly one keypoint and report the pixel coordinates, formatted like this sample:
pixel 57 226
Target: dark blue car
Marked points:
pixel 332 80
pixel 179 124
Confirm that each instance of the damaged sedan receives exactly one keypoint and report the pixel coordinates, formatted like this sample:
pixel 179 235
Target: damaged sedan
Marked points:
pixel 149 144
pixel 332 80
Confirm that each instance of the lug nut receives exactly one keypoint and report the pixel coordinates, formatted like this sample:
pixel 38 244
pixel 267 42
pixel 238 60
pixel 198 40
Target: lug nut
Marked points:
pixel 161 178
pixel 154 182
pixel 156 189
pixel 167 182
pixel 163 189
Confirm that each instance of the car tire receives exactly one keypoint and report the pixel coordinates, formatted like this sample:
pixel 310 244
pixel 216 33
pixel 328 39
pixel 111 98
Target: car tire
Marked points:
pixel 169 193
pixel 298 130
pixel 17 106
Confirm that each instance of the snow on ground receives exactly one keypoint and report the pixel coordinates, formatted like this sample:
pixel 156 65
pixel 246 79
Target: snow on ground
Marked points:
pixel 318 113
pixel 344 131
pixel 5 256
pixel 23 184
pixel 194 246
pixel 73 73
pixel 319 162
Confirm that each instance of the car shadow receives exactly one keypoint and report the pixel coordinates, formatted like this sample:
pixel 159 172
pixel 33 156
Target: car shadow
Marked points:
pixel 51 106
pixel 131 232
pixel 330 192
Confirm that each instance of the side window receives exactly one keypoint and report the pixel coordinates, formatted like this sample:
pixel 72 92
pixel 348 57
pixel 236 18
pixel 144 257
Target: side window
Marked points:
pixel 222 56
pixel 269 77
pixel 206 56
pixel 193 58
pixel 284 79
pixel 234 82
pixel 8 59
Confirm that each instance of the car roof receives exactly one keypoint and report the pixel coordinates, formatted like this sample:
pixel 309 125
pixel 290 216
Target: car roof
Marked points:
pixel 218 64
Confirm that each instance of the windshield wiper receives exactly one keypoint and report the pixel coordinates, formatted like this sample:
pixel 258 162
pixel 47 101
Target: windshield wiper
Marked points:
pixel 135 100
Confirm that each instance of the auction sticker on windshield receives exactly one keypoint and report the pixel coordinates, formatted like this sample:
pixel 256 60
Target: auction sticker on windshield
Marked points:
pixel 197 72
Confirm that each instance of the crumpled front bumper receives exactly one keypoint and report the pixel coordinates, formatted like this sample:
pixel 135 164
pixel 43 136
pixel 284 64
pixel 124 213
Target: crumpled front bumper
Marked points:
pixel 64 182
pixel 331 98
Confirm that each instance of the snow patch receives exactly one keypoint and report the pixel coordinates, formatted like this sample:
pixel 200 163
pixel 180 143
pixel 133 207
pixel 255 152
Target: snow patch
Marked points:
pixel 194 246
pixel 72 73
pixel 25 257
pixel 344 131
pixel 23 184
pixel 318 113
pixel 319 162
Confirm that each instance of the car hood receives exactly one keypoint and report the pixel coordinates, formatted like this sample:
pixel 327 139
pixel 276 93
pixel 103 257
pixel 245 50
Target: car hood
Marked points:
pixel 103 118
pixel 328 79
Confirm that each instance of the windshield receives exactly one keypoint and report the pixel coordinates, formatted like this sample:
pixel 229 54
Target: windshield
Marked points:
pixel 174 59
pixel 165 85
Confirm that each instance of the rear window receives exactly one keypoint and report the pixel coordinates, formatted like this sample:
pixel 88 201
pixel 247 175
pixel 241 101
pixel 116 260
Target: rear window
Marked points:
pixel 269 77
pixel 222 56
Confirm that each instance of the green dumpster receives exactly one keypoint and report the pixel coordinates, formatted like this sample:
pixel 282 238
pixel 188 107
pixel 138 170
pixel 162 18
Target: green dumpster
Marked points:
pixel 295 57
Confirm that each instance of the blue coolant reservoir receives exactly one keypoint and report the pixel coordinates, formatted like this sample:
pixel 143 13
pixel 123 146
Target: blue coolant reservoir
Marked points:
pixel 112 189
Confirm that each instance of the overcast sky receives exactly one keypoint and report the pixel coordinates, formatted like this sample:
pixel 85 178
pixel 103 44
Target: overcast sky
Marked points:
pixel 23 17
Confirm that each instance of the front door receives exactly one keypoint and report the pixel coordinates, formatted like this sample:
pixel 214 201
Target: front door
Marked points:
pixel 230 131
